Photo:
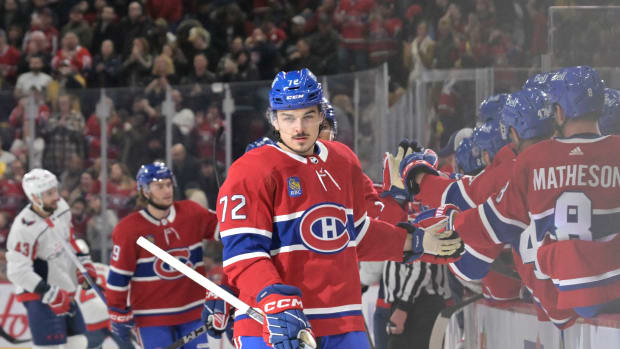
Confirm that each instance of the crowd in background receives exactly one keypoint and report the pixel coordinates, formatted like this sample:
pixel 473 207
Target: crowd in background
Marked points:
pixel 52 51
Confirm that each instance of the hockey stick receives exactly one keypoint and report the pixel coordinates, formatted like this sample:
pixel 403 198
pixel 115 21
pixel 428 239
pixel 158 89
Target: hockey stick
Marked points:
pixel 70 252
pixel 442 320
pixel 12 339
pixel 308 342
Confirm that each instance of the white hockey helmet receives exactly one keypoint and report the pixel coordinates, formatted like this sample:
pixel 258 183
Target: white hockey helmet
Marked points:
pixel 36 182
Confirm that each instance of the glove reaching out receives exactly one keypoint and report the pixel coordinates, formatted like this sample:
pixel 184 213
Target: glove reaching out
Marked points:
pixel 418 162
pixel 433 239
pixel 392 182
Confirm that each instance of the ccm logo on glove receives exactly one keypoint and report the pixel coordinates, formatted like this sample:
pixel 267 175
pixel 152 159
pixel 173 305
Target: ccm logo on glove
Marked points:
pixel 282 304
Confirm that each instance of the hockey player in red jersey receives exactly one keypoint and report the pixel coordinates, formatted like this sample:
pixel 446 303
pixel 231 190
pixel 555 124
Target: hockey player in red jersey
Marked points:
pixel 42 272
pixel 141 289
pixel 294 226
pixel 559 208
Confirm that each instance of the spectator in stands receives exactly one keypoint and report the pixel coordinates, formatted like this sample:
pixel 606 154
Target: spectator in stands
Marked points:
pixel 137 67
pixel 34 78
pixel 6 157
pixel 88 185
pixel 200 74
pixel 186 170
pixel 5 226
pixel 163 78
pixel 208 183
pixel 351 17
pixel 13 197
pixel 303 58
pixel 227 25
pixel 121 189
pixel 170 10
pixel 43 21
pixel 107 67
pixel 200 39
pixel 135 25
pixel 12 13
pixel 100 224
pixel 324 44
pixel 263 53
pixel 19 122
pixel 37 46
pixel 15 35
pixel 234 47
pixel 18 170
pixel 419 55
pixel 298 31
pixel 274 34
pixel 9 59
pixel 207 127
pixel 64 136
pixel 447 53
pixel 121 178
pixel 73 55
pixel 106 28
pixel 79 218
pixel 79 26
pixel 70 176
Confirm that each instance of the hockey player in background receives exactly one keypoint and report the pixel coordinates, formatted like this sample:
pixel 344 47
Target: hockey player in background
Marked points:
pixel 144 292
pixel 567 190
pixel 294 226
pixel 43 274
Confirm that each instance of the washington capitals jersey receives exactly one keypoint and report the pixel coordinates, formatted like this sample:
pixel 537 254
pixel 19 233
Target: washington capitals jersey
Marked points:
pixel 564 192
pixel 302 221
pixel 158 294
pixel 35 254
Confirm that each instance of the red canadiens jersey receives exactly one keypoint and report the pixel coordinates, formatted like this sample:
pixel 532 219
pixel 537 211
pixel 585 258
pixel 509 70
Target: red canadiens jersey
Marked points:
pixel 560 212
pixel 466 193
pixel 158 294
pixel 302 221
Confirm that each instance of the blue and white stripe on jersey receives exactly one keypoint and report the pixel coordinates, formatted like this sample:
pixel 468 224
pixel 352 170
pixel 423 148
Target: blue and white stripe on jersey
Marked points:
pixel 119 279
pixel 248 242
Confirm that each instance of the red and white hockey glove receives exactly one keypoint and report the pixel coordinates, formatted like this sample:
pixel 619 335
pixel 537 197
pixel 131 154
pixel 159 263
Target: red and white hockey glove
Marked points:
pixel 433 239
pixel 392 182
pixel 121 323
pixel 285 325
pixel 419 162
pixel 58 300
pixel 216 315
pixel 92 273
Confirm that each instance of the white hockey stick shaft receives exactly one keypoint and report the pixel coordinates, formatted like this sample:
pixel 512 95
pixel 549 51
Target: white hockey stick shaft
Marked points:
pixel 304 336
pixel 199 279
pixel 71 253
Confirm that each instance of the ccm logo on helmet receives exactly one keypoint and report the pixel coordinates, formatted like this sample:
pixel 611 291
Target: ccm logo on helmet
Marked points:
pixel 324 228
pixel 165 271
pixel 295 96
pixel 285 303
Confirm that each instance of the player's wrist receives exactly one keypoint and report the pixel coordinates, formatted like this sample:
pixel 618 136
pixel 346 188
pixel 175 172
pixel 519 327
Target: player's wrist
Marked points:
pixel 120 315
pixel 278 298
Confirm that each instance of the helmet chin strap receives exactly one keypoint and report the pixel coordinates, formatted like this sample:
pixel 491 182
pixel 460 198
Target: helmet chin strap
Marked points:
pixel 157 206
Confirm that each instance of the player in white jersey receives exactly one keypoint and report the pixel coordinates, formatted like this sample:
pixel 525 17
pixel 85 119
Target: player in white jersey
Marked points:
pixel 42 272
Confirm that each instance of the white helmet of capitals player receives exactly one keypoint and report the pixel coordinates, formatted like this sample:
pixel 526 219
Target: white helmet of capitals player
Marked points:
pixel 36 182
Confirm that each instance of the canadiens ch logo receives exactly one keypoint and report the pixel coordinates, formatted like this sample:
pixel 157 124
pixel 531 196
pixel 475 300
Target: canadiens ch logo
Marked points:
pixel 166 272
pixel 323 228
pixel 294 187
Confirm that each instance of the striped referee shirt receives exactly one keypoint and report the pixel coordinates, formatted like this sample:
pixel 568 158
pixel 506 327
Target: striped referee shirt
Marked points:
pixel 403 282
